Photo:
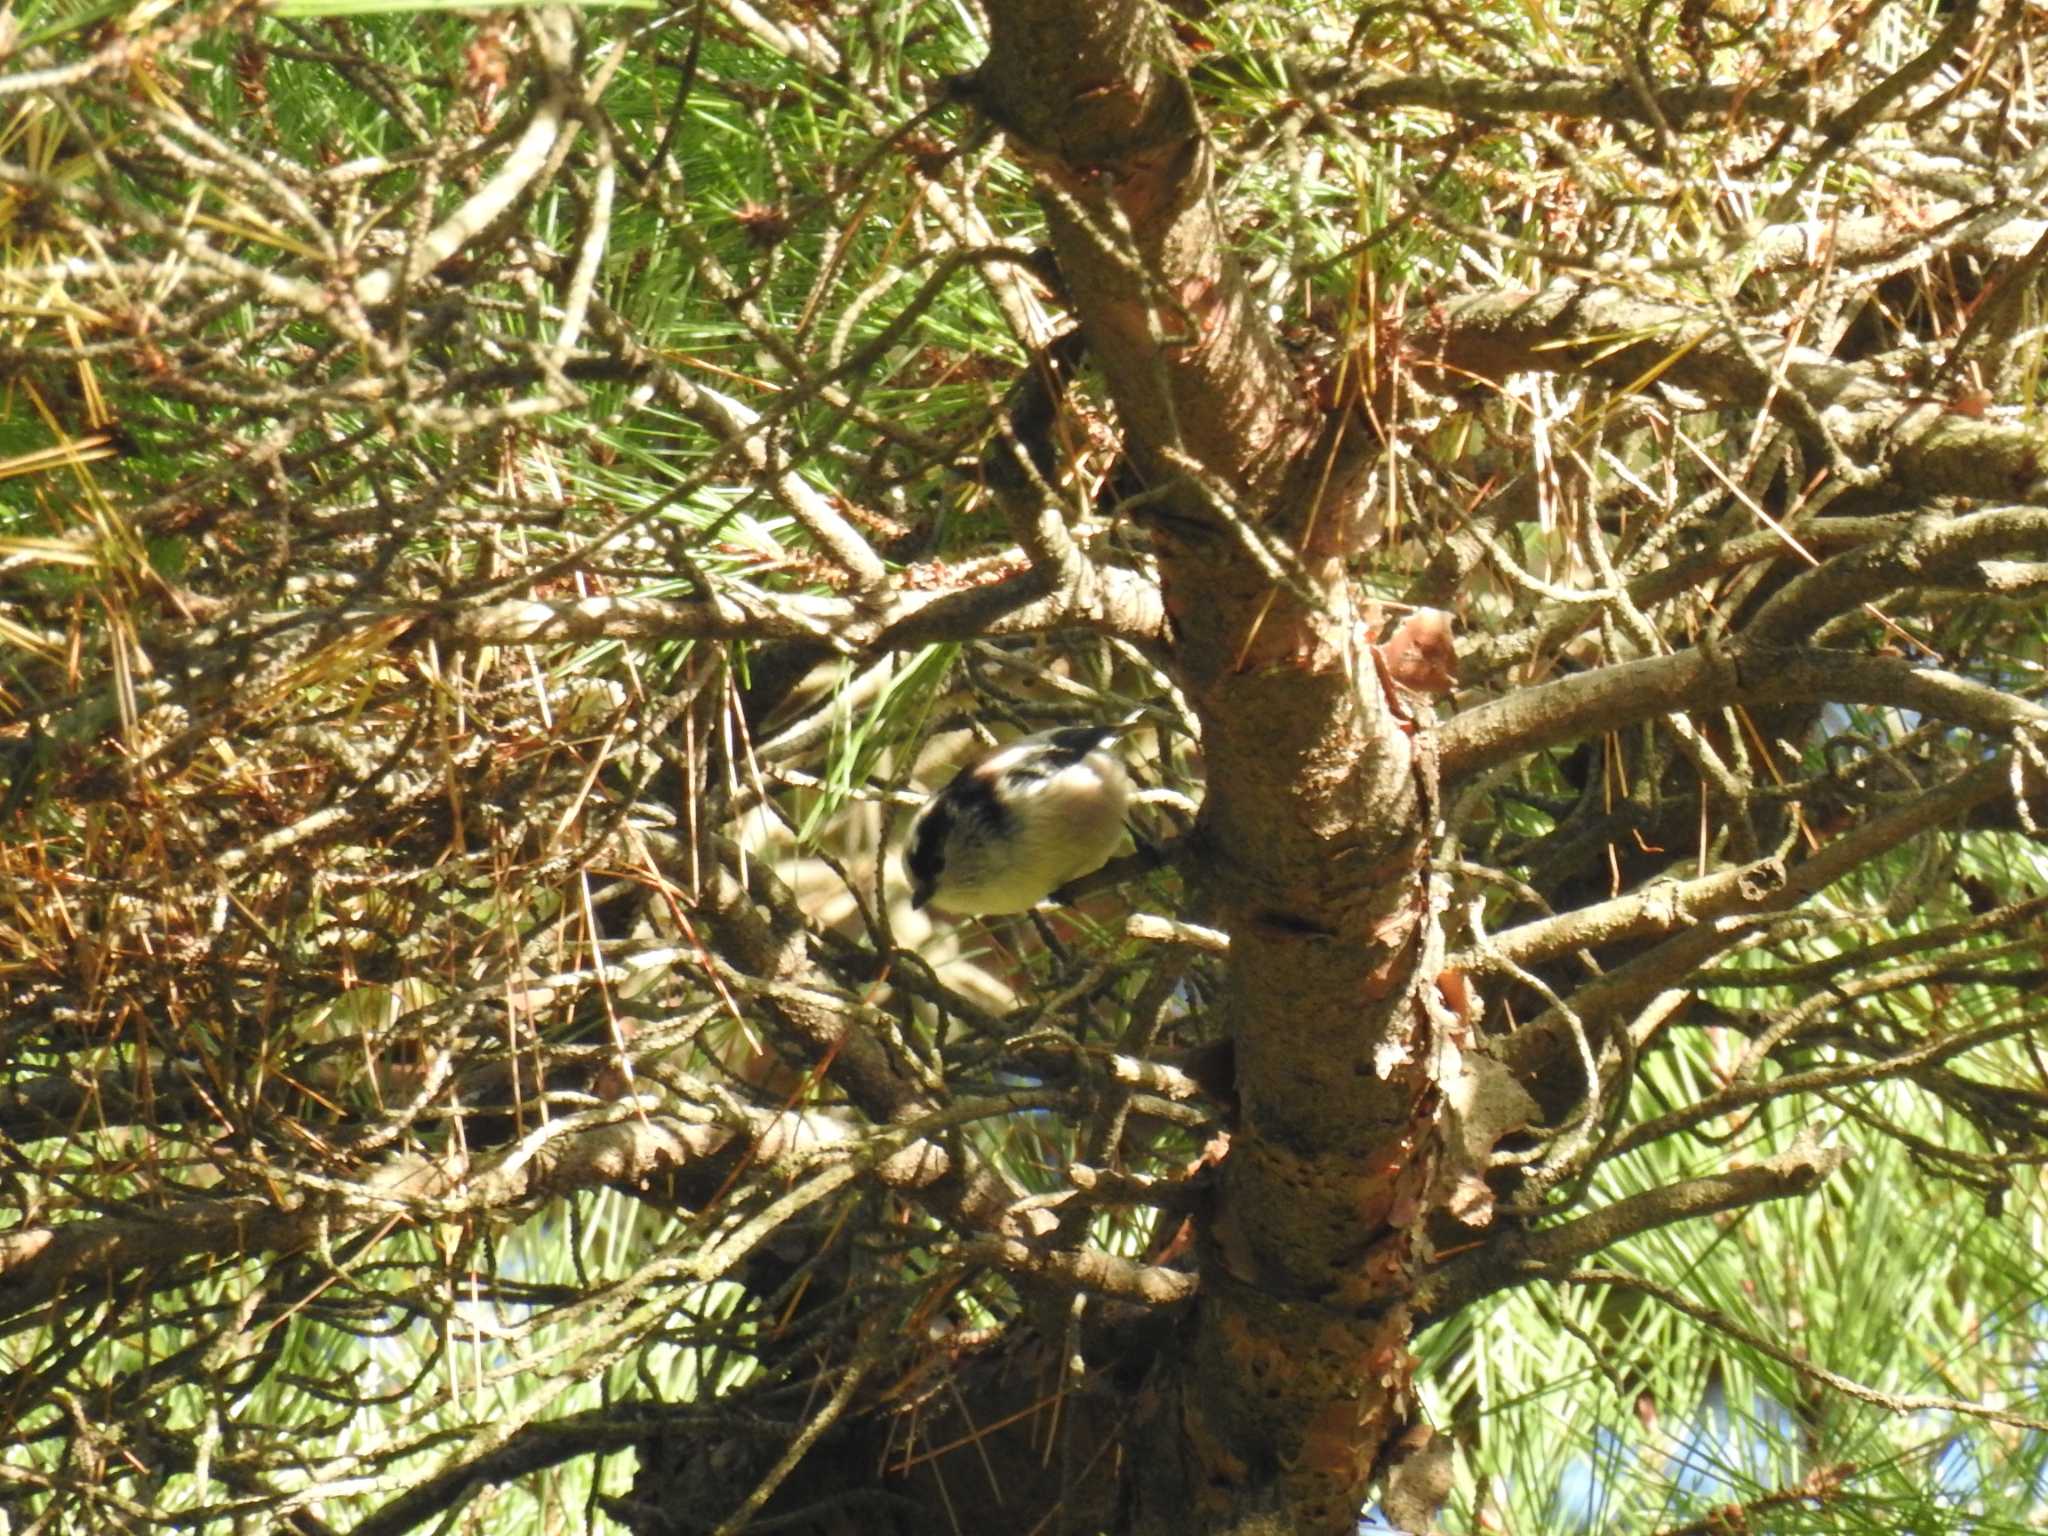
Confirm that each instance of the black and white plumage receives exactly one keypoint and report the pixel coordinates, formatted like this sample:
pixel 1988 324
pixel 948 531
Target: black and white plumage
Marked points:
pixel 1019 824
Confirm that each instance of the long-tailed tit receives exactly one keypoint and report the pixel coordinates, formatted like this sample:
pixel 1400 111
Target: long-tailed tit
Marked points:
pixel 1019 824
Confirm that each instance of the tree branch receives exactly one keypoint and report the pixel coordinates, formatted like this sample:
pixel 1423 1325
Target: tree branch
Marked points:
pixel 1106 600
pixel 1516 1256
pixel 629 1149
pixel 1590 703
pixel 1544 1054
pixel 534 1447
pixel 1573 327
pixel 1657 908
pixel 1081 1269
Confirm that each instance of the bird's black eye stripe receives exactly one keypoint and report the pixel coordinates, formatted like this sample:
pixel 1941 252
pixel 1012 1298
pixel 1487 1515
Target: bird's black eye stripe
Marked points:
pixel 927 841
pixel 970 799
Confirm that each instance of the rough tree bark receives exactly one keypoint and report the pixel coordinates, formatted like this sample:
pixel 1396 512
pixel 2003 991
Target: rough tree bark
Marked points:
pixel 1290 1379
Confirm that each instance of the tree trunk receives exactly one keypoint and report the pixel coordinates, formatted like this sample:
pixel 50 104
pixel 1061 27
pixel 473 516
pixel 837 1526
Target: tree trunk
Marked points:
pixel 1276 1403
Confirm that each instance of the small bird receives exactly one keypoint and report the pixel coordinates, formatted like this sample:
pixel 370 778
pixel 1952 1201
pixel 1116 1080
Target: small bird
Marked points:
pixel 1019 824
